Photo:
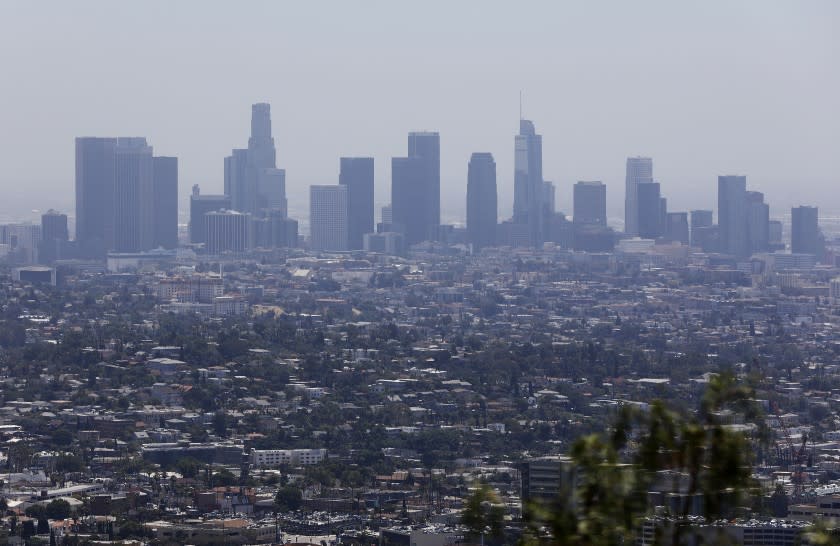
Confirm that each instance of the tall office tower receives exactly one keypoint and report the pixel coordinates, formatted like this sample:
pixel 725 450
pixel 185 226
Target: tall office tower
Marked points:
pixel 426 145
pixel 663 214
pixel 699 219
pixel 236 179
pixel 649 213
pixel 271 190
pixel 95 195
pixel 482 201
pixel 805 231
pixel 133 195
pixel 639 170
pixel 54 236
pixel 408 199
pixel 54 226
pixel 386 222
pixel 23 240
pixel 165 202
pixel 328 226
pixel 775 232
pixel 528 187
pixel 117 195
pixel 590 203
pixel 676 227
pixel 283 231
pixel 549 197
pixel 356 174
pixel 758 222
pixel 201 205
pixel 261 151
pixel 732 215
pixel 227 231
pixel 251 177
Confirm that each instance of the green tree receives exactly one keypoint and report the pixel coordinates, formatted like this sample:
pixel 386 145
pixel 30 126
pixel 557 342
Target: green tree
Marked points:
pixel 57 509
pixel 484 513
pixel 288 498
pixel 613 472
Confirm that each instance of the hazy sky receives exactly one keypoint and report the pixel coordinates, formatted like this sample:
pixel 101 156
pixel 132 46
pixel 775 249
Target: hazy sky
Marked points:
pixel 705 88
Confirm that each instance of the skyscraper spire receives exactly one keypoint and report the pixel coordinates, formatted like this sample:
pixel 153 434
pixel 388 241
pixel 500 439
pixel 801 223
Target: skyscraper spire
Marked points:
pixel 260 123
pixel 252 179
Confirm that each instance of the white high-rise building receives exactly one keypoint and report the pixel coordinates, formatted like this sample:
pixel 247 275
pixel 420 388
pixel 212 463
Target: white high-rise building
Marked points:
pixel 639 171
pixel 328 222
pixel 227 231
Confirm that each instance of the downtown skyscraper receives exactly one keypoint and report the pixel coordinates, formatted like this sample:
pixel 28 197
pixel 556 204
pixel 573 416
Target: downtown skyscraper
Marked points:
pixel 529 191
pixel 733 230
pixel 123 203
pixel 649 210
pixel 252 179
pixel 805 231
pixel 639 171
pixel 328 217
pixel 415 188
pixel 589 203
pixel 482 201
pixel 356 174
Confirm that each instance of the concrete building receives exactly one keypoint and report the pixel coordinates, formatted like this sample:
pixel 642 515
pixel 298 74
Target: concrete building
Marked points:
pixel 117 203
pixel 252 180
pixel 676 227
pixel 544 478
pixel 649 213
pixel 408 198
pixel 54 237
pixel 482 204
pixel 201 205
pixel 227 231
pixel 699 219
pixel 356 173
pixel 425 146
pixel 732 215
pixel 805 231
pixel 328 217
pixel 590 203
pixel 387 242
pixel 133 195
pixel 165 202
pixel 95 162
pixel 528 184
pixel 758 222
pixel 638 170
pixel 274 458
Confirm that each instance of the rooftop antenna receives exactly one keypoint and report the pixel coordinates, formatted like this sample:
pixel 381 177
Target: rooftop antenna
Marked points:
pixel 520 105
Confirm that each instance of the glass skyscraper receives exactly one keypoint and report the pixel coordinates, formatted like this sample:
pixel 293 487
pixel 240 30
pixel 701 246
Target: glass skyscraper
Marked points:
pixel 482 206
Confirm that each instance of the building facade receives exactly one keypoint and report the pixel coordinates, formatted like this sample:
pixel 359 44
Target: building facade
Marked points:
pixel 356 173
pixel 482 205
pixel 528 184
pixel 638 170
pixel 732 215
pixel 201 205
pixel 328 217
pixel 805 230
pixel 590 203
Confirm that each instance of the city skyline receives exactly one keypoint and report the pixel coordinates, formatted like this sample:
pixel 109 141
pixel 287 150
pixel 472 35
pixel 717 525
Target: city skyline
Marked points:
pixel 700 110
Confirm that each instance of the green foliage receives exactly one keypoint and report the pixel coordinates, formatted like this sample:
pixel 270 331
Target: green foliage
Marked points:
pixel 57 509
pixel 224 478
pixel 483 513
pixel 188 467
pixel 288 498
pixel 613 472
